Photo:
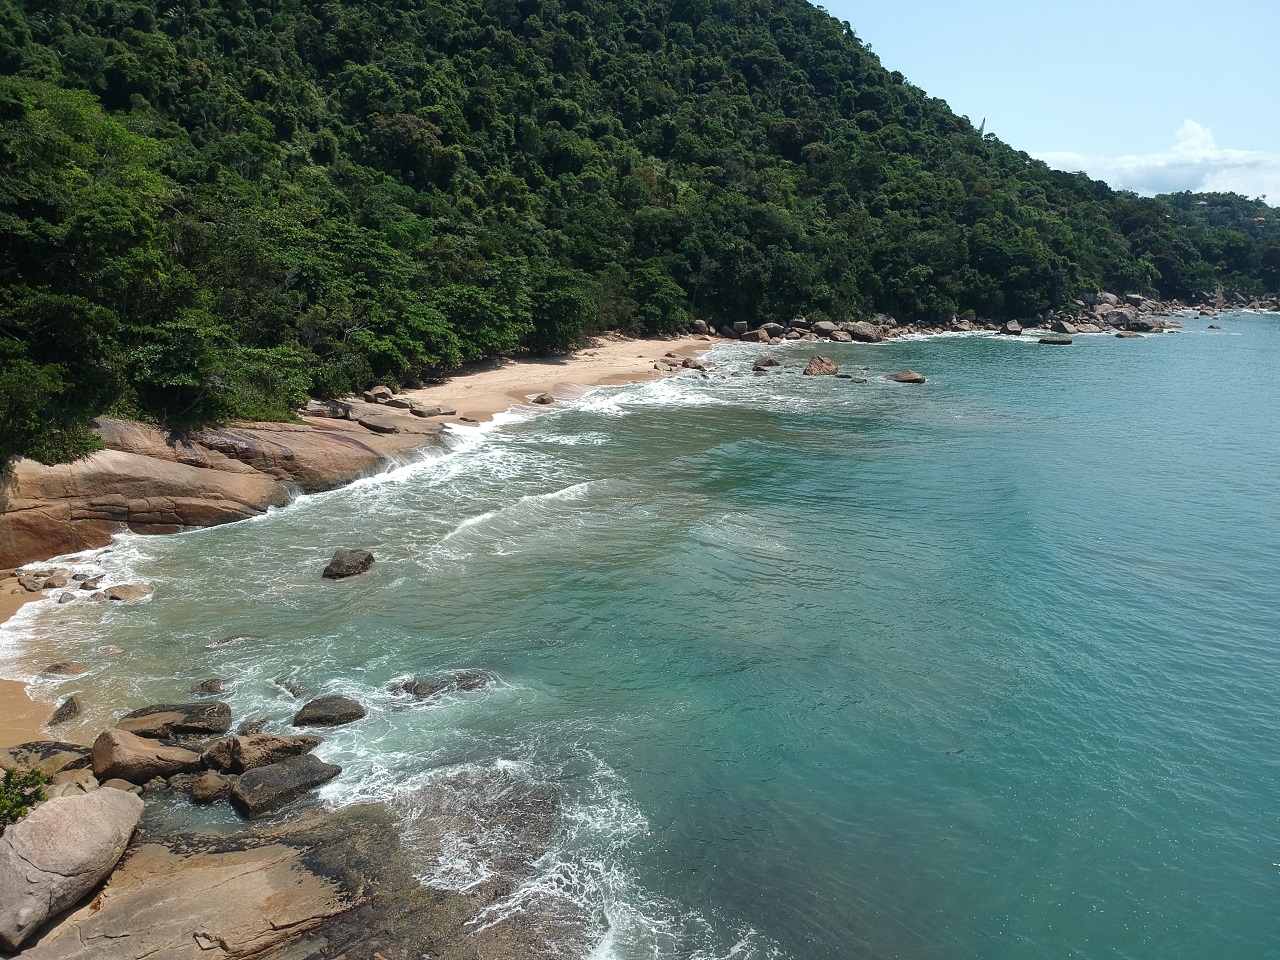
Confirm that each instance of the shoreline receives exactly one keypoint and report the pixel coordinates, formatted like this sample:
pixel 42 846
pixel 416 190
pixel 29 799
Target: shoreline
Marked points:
pixel 479 393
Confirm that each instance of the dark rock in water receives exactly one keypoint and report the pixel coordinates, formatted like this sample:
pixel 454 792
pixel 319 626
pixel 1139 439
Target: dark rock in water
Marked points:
pixel 764 362
pixel 268 788
pixel 859 379
pixel 59 853
pixel 844 376
pixel 165 720
pixel 821 367
pixel 1012 328
pixel 212 685
pixel 67 668
pixel 292 688
pixel 1128 335
pixel 47 756
pixel 1214 326
pixel 907 376
pixel 458 680
pixel 347 562
pixel 211 786
pixel 67 710
pixel 238 754
pixel 120 755
pixel 248 728
pixel 543 399
pixel 329 711
pixel 1056 341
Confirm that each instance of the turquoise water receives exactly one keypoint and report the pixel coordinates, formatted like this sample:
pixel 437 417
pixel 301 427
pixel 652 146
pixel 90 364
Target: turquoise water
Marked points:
pixel 983 668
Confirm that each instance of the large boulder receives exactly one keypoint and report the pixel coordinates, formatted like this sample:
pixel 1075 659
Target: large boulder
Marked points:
pixel 128 592
pixel 120 755
pixel 332 710
pixel 348 562
pixel 825 328
pixel 1011 328
pixel 47 756
pixel 863 332
pixel 268 788
pixel 165 720
pixel 238 754
pixel 821 367
pixel 1064 326
pixel 58 854
pixel 907 376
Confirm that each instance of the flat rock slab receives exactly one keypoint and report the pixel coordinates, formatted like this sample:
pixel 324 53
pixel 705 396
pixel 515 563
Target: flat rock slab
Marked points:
pixel 129 591
pixel 119 754
pixel 238 754
pixel 348 562
pixel 907 376
pixel 333 710
pixel 47 756
pixel 1056 341
pixel 57 854
pixel 264 789
pixel 164 720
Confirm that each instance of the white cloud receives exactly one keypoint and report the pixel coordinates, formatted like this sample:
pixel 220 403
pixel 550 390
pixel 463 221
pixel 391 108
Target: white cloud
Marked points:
pixel 1194 162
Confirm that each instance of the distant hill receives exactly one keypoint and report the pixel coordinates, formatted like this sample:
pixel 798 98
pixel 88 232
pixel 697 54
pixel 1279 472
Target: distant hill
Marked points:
pixel 212 208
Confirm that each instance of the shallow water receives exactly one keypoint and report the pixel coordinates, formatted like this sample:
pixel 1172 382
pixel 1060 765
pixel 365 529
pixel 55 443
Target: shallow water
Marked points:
pixel 986 667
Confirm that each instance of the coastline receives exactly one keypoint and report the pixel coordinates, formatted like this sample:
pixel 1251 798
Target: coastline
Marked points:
pixel 479 393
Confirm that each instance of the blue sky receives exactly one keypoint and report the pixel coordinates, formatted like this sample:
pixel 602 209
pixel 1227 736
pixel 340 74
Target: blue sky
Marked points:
pixel 1149 96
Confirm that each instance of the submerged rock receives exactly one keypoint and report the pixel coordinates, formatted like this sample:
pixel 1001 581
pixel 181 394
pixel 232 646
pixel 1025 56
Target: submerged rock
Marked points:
pixel 348 562
pixel 333 710
pixel 67 711
pixel 213 685
pixel 458 680
pixel 57 854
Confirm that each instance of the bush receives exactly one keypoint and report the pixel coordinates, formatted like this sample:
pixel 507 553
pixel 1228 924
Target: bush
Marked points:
pixel 18 793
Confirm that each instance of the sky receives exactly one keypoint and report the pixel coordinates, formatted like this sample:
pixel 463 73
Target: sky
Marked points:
pixel 1149 96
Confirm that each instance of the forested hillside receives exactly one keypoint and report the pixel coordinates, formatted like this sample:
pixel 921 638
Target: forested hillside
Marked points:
pixel 213 207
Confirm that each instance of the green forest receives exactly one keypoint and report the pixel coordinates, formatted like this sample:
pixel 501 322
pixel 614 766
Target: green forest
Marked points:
pixel 215 208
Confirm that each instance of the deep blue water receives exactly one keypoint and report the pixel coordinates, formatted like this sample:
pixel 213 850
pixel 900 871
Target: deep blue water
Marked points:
pixel 987 667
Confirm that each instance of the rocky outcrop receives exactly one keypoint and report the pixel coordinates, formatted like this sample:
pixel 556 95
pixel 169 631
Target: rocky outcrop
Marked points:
pixel 347 562
pixel 47 756
pixel 821 367
pixel 907 376
pixel 333 710
pixel 1056 341
pixel 456 681
pixel 238 754
pixel 150 480
pixel 270 787
pixel 120 755
pixel 57 854
pixel 167 720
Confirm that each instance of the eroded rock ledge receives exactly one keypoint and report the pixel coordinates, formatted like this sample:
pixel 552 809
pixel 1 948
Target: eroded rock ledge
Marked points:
pixel 151 480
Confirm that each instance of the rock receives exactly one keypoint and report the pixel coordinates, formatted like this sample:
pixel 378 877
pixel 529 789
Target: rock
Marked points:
pixel 824 328
pixel 268 788
pixel 380 424
pixel 689 363
pixel 740 327
pixel 1109 298
pixel 840 336
pixel 56 582
pixel 773 329
pixel 238 754
pixel 328 409
pixel 400 403
pixel 118 754
pixel 1119 318
pixel 213 685
pixel 699 326
pixel 859 379
pixel 1011 328
pixel 755 336
pixel 248 728
pixel 127 592
pixel 66 668
pixel 1134 299
pixel 863 332
pixel 379 394
pixel 47 756
pixel 1214 326
pixel 292 688
pixel 59 853
pixel 211 786
pixel 458 680
pixel 70 783
pixel 124 786
pixel 348 562
pixel 98 597
pixel 1063 326
pixel 30 584
pixel 821 367
pixel 333 710
pixel 907 376
pixel 1128 335
pixel 1146 325
pixel 728 332
pixel 1056 341
pixel 66 596
pixel 165 720
pixel 764 362
pixel 542 399
pixel 67 711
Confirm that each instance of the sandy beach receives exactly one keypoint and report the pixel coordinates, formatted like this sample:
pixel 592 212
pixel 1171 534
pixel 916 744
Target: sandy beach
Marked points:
pixel 478 393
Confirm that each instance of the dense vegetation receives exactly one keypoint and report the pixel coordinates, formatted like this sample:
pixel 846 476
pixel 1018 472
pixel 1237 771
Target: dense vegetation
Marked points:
pixel 18 792
pixel 213 207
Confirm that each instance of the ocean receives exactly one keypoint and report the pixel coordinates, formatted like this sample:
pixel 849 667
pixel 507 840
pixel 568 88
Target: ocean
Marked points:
pixel 811 668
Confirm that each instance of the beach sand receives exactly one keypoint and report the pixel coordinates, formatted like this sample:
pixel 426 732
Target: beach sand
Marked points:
pixel 478 393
